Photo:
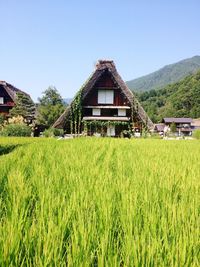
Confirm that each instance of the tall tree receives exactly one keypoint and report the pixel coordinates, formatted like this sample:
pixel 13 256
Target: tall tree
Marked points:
pixel 24 107
pixel 50 107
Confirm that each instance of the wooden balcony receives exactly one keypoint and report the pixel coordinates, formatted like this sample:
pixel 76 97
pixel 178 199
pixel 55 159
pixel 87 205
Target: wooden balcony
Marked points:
pixel 101 118
pixel 184 129
pixel 8 104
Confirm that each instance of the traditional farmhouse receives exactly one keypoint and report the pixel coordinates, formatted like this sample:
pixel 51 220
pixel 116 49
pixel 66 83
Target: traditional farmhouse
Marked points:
pixel 8 95
pixel 104 106
pixel 183 125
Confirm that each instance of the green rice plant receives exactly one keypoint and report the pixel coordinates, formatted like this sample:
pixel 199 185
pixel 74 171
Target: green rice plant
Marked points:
pixel 99 202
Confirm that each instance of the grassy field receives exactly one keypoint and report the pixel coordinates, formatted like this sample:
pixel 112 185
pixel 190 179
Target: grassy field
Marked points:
pixel 99 202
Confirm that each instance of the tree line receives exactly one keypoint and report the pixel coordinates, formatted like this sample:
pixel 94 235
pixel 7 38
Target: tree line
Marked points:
pixel 27 115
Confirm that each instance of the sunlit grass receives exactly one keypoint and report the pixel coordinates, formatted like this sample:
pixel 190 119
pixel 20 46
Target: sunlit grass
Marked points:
pixel 99 202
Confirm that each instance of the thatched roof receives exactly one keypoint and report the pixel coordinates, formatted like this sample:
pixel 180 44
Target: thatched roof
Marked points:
pixel 103 66
pixel 11 90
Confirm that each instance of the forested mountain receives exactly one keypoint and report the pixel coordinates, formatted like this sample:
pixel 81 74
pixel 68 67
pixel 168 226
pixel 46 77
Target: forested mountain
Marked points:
pixel 167 75
pixel 181 99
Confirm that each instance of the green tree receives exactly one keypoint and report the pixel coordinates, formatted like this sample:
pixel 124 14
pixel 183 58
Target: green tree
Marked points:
pixel 24 107
pixel 50 107
pixel 173 127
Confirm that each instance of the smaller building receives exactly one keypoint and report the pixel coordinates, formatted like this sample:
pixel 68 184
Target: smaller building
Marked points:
pixel 183 125
pixel 8 95
pixel 159 128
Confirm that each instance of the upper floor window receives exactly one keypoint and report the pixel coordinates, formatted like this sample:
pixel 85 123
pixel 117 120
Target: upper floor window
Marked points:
pixel 1 100
pixel 96 112
pixel 105 96
pixel 121 112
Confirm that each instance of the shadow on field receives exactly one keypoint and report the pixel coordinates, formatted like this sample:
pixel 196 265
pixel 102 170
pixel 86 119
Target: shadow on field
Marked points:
pixel 7 149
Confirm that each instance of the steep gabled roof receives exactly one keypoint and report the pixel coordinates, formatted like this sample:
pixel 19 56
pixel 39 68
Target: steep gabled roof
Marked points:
pixel 11 90
pixel 103 66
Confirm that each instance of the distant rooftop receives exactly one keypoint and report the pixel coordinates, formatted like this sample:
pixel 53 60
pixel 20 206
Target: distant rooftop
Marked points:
pixel 177 120
pixel 160 127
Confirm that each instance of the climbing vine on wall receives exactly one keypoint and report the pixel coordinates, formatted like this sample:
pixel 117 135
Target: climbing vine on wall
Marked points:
pixel 74 119
pixel 75 116
pixel 134 112
pixel 104 123
pixel 100 125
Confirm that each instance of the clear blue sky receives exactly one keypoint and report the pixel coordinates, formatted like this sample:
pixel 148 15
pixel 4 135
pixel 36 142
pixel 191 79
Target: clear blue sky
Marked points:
pixel 57 42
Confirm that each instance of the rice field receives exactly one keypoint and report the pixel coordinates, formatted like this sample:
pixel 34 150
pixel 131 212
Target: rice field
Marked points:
pixel 99 202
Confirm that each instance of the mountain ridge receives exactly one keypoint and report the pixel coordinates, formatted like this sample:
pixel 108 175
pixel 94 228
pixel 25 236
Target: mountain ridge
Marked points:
pixel 180 99
pixel 166 75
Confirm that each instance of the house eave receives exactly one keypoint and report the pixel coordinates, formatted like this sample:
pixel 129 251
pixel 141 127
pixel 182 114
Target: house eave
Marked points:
pixel 108 107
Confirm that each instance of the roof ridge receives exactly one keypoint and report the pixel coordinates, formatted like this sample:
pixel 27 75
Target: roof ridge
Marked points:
pixel 12 90
pixel 105 63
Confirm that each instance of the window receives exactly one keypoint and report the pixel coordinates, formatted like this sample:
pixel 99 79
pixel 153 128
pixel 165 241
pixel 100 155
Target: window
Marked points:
pixel 111 130
pixel 1 100
pixel 105 96
pixel 96 112
pixel 121 112
pixel 109 112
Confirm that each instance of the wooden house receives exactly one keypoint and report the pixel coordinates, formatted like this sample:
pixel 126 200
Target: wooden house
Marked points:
pixel 183 125
pixel 104 106
pixel 8 95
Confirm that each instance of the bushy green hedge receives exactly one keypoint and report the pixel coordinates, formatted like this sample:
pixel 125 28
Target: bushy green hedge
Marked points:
pixel 51 132
pixel 58 132
pixel 16 130
pixel 196 134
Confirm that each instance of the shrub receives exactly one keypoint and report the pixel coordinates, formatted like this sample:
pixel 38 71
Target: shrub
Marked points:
pixel 2 119
pixel 51 132
pixel 58 132
pixel 16 120
pixel 196 134
pixel 48 133
pixel 16 130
